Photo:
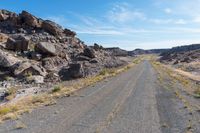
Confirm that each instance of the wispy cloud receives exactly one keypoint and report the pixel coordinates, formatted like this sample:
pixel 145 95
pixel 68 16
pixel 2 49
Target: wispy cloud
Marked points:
pixel 123 24
pixel 161 21
pixel 117 20
pixel 99 32
pixel 182 30
pixel 123 13
pixel 93 26
pixel 196 19
pixel 168 10
pixel 165 43
pixel 168 21
pixel 180 21
pixel 187 8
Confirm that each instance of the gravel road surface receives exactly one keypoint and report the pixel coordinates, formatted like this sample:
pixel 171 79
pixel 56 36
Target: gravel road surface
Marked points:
pixel 131 102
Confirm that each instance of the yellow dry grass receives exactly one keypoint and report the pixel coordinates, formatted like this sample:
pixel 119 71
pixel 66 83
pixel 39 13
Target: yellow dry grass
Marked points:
pixel 185 78
pixel 187 74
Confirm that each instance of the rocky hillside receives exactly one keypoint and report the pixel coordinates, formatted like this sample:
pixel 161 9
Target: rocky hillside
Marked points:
pixel 180 54
pixel 186 58
pixel 33 50
pixel 142 51
pixel 117 51
pixel 179 49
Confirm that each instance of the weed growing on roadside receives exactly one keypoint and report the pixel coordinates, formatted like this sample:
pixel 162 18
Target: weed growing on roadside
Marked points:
pixel 11 116
pixel 56 89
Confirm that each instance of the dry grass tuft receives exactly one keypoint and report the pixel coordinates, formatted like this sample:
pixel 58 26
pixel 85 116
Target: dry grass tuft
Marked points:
pixel 187 74
pixel 5 109
pixel 9 116
pixel 11 110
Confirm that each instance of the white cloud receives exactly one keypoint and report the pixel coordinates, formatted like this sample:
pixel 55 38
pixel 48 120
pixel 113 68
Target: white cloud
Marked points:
pixel 188 9
pixel 183 30
pixel 168 21
pixel 168 10
pixel 117 26
pixel 99 32
pixel 167 43
pixel 180 21
pixel 161 21
pixel 132 44
pixel 122 13
pixel 196 19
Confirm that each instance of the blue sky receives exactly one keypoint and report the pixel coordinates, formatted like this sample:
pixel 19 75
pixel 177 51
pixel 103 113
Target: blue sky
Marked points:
pixel 128 24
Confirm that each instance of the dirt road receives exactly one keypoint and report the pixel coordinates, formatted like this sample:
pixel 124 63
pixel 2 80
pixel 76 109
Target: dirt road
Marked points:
pixel 131 102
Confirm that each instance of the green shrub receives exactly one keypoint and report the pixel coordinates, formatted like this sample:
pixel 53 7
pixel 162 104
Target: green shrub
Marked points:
pixel 56 89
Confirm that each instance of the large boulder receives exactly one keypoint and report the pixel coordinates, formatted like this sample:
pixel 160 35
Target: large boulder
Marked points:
pixel 52 28
pixel 82 58
pixel 20 43
pixel 46 48
pixel 89 52
pixel 74 42
pixel 24 69
pixel 7 60
pixel 69 33
pixel 53 63
pixel 77 43
pixel 76 70
pixel 10 20
pixel 79 70
pixel 97 47
pixel 4 15
pixel 30 20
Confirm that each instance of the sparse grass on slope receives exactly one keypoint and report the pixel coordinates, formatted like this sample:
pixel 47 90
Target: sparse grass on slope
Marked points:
pixel 189 84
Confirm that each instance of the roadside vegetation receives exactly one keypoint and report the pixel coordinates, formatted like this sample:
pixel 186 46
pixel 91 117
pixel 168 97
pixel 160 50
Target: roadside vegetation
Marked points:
pixel 12 109
pixel 190 85
pixel 184 88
